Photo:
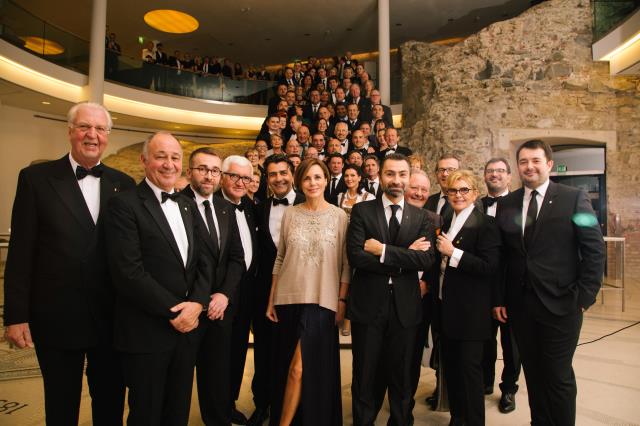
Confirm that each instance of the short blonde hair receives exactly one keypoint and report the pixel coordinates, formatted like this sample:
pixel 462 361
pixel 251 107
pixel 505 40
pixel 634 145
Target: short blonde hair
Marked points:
pixel 465 175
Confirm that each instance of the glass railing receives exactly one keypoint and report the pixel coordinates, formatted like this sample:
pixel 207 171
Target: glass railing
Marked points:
pixel 607 14
pixel 25 30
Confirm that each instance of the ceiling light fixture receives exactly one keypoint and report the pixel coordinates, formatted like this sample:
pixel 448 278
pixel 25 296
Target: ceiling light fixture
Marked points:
pixel 42 46
pixel 46 103
pixel 171 21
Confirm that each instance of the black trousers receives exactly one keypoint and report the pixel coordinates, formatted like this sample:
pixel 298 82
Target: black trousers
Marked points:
pixel 262 350
pixel 241 312
pixel 463 374
pixel 547 343
pixel 383 353
pixel 213 370
pixel 160 384
pixel 510 356
pixel 422 332
pixel 62 371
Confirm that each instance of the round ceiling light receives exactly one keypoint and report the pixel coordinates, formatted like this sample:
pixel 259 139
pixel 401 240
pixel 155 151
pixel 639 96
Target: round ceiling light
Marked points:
pixel 171 21
pixel 42 46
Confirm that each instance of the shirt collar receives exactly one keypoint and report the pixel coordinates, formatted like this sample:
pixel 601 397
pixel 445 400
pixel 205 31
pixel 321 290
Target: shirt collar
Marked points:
pixel 229 199
pixel 464 214
pixel 336 176
pixel 386 202
pixel 200 198
pixel 506 192
pixel 75 164
pixel 157 191
pixel 291 196
pixel 542 190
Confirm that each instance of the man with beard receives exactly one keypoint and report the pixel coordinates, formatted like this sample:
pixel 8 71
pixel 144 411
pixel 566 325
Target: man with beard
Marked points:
pixel 497 177
pixel 222 243
pixel 385 278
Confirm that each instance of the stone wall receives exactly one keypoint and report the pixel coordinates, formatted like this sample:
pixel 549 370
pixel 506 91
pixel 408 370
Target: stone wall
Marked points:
pixel 531 72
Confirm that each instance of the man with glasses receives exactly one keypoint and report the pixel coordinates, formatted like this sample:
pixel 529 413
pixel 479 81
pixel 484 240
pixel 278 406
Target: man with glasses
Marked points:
pixel 222 243
pixel 497 177
pixel 438 203
pixel 58 292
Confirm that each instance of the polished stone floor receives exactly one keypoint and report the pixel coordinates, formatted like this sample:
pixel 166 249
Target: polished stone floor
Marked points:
pixel 607 371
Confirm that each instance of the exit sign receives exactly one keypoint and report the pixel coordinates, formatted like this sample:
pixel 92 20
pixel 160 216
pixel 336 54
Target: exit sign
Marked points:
pixel 562 168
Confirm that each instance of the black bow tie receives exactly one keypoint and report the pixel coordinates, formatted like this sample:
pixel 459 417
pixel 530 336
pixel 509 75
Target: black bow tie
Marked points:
pixel 283 201
pixel 239 207
pixel 344 143
pixel 491 201
pixel 165 195
pixel 96 171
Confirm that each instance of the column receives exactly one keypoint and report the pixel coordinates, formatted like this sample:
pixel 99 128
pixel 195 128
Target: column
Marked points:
pixel 384 58
pixel 94 92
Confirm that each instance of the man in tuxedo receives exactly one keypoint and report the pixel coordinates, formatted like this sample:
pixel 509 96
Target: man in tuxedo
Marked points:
pixel 318 142
pixel 237 174
pixel 272 128
pixel 222 243
pixel 288 78
pixel 355 98
pixel 360 143
pixel 298 75
pixel 376 99
pixel 372 178
pixel 281 91
pixel 352 117
pixel 269 217
pixel 497 177
pixel 384 296
pixel 310 111
pixel 57 290
pixel 391 136
pixel 336 185
pixel 162 276
pixel 554 256
pixel 439 203
pixel 342 133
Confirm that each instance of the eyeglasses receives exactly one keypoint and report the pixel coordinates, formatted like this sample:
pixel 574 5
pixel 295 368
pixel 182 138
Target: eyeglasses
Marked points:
pixel 447 169
pixel 204 171
pixel 234 178
pixel 84 128
pixel 462 191
pixel 492 171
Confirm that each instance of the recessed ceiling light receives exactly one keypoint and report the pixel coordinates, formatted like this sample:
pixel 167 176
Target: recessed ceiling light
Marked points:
pixel 171 21
pixel 451 19
pixel 307 34
pixel 230 44
pixel 46 103
pixel 267 39
pixel 349 29
pixel 42 46
pixel 398 24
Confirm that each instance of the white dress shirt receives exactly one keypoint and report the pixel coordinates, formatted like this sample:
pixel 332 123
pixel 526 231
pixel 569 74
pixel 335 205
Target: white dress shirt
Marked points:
pixel 457 222
pixel 441 202
pixel 90 188
pixel 344 146
pixel 275 217
pixel 245 233
pixel 376 184
pixel 199 200
pixel 542 190
pixel 171 211
pixel 491 210
pixel 337 181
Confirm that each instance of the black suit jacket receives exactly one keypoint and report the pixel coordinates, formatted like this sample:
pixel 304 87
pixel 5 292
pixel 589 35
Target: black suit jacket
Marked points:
pixel 565 262
pixel 365 185
pixel 56 276
pixel 467 289
pixel 229 255
pixel 367 115
pixel 399 150
pixel 332 197
pixel 148 272
pixel 369 288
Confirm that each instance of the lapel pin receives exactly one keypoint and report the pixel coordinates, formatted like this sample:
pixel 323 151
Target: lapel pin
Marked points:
pixel 550 201
pixel 185 209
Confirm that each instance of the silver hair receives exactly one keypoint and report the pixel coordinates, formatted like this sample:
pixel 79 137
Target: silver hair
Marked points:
pixel 237 160
pixel 73 112
pixel 145 145
pixel 420 172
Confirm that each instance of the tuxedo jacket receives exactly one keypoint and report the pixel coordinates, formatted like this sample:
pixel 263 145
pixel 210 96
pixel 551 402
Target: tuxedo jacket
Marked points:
pixel 365 185
pixel 467 289
pixel 332 197
pixel 229 255
pixel 565 261
pixel 367 115
pixel 148 271
pixel 399 150
pixel 266 246
pixel 369 288
pixel 56 276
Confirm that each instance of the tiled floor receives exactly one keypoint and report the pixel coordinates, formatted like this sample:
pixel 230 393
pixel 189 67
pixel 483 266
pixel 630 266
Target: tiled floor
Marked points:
pixel 608 374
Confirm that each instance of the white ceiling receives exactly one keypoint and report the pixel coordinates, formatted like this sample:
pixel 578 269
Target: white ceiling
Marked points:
pixel 238 28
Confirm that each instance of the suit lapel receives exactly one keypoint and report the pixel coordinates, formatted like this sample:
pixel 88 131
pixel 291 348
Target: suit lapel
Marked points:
pixel 152 204
pixel 407 225
pixel 223 216
pixel 108 189
pixel 381 219
pixel 519 199
pixel 469 225
pixel 187 221
pixel 66 186
pixel 547 205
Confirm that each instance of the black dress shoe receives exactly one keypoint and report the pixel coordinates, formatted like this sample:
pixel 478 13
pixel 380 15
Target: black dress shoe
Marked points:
pixel 237 418
pixel 507 402
pixel 258 417
pixel 488 390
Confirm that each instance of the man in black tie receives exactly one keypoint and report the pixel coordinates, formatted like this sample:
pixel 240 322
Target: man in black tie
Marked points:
pixel 384 302
pixel 269 213
pixel 310 111
pixel 222 244
pixel 57 287
pixel 237 174
pixel 336 185
pixel 447 164
pixel 554 256
pixel 372 178
pixel 352 115
pixel 341 132
pixel 497 177
pixel 391 136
